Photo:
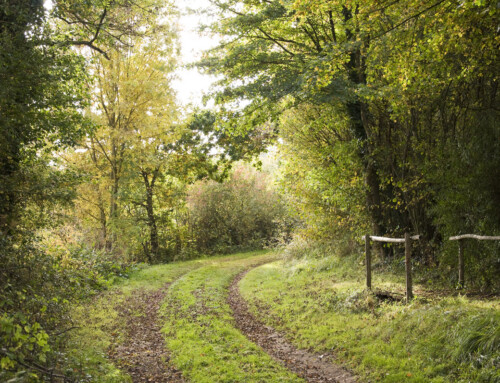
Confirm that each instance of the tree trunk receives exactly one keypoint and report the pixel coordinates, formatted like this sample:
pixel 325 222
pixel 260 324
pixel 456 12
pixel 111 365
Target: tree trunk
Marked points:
pixel 360 118
pixel 103 221
pixel 152 223
pixel 153 230
pixel 113 203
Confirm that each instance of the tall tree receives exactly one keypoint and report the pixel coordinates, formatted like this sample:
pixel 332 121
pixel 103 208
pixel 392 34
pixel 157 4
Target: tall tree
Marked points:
pixel 384 67
pixel 39 101
pixel 134 107
pixel 42 97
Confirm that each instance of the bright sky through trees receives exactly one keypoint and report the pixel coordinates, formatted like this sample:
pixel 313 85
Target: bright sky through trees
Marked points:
pixel 191 84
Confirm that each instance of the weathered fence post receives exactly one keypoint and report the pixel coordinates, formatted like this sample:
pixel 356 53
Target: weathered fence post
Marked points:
pixel 368 262
pixel 407 241
pixel 461 265
pixel 461 246
pixel 409 292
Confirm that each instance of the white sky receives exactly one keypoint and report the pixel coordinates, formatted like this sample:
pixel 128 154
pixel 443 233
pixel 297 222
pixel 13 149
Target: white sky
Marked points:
pixel 191 84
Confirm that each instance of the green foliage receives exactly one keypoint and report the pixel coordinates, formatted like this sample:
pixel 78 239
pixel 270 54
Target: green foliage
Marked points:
pixel 386 113
pixel 127 159
pixel 45 91
pixel 38 285
pixel 320 171
pixel 142 156
pixel 40 99
pixel 387 122
pixel 243 212
pixel 467 200
pixel 20 340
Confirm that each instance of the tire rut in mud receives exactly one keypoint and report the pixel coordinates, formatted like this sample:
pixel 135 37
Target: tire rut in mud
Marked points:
pixel 143 353
pixel 312 367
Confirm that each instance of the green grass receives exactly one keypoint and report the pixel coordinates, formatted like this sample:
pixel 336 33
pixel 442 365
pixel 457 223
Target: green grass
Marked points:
pixel 200 332
pixel 100 325
pixel 321 304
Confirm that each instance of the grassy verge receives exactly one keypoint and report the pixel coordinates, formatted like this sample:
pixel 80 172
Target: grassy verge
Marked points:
pixel 99 324
pixel 321 304
pixel 199 328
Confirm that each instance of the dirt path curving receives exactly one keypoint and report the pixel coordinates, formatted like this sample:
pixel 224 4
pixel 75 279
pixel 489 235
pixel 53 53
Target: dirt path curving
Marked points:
pixel 314 368
pixel 143 354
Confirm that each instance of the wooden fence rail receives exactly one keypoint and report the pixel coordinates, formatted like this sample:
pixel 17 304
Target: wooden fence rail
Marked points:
pixel 461 264
pixel 407 241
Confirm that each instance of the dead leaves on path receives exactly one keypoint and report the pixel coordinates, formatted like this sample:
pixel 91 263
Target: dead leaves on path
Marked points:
pixel 143 354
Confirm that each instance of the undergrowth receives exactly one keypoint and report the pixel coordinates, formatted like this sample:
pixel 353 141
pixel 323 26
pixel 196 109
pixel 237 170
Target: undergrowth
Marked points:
pixel 39 285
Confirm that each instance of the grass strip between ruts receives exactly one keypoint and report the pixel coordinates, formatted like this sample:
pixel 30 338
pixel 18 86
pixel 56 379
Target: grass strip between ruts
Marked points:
pixel 200 333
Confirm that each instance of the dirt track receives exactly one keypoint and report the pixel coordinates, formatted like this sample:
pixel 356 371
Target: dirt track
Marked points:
pixel 314 368
pixel 143 354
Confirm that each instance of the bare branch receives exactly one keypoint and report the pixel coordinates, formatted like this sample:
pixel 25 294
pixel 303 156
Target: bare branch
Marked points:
pixel 416 15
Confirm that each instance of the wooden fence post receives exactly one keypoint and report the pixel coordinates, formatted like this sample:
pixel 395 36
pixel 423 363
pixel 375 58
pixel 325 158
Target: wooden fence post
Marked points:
pixel 409 292
pixel 368 263
pixel 461 248
pixel 461 265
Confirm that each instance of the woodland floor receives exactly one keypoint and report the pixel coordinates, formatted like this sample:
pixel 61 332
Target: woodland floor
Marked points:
pixel 143 353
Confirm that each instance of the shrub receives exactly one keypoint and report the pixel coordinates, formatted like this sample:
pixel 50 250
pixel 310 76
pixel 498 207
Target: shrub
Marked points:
pixel 38 285
pixel 242 213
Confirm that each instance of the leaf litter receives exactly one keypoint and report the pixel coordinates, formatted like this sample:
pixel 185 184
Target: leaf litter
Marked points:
pixel 143 353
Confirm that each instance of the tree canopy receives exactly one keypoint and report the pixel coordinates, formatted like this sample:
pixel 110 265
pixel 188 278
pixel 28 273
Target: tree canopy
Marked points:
pixel 405 86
